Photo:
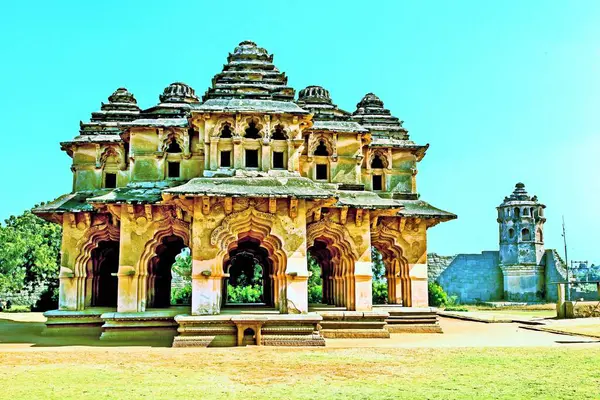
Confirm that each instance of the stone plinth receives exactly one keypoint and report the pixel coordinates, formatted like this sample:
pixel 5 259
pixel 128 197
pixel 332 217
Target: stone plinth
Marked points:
pixel 354 324
pixel 86 322
pixel 149 325
pixel 523 282
pixel 266 330
pixel 410 319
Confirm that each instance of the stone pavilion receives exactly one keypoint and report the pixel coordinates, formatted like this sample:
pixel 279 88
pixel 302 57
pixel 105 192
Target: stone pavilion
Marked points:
pixel 247 172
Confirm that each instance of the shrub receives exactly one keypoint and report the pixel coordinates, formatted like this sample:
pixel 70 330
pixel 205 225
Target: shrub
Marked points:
pixel 17 309
pixel 182 295
pixel 380 292
pixel 315 294
pixel 437 296
pixel 244 294
pixel 456 308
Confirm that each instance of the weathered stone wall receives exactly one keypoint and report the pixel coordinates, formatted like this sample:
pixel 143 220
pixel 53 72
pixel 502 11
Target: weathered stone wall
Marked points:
pixel 436 264
pixel 470 277
pixel 557 272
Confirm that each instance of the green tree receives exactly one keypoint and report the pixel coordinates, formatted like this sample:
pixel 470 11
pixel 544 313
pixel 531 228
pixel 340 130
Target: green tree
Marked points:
pixel 315 281
pixel 380 286
pixel 29 254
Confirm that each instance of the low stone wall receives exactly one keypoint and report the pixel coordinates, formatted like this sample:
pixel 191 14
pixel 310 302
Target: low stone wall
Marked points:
pixel 473 278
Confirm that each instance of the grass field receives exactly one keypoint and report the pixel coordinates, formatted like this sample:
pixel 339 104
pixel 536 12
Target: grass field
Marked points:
pixel 273 373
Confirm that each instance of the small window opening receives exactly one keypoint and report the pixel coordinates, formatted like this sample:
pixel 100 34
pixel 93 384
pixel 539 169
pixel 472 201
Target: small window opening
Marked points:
pixel 517 213
pixel 278 160
pixel 377 182
pixel 526 211
pixel 110 181
pixel 226 132
pixel 511 233
pixel 173 169
pixel 525 234
pixel 321 171
pixel 377 162
pixel 226 159
pixel 321 149
pixel 278 134
pixel 173 147
pixel 252 131
pixel 251 158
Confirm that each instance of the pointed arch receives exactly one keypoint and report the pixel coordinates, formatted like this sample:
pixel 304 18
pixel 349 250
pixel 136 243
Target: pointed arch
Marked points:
pixel 390 244
pixel 344 255
pixel 257 225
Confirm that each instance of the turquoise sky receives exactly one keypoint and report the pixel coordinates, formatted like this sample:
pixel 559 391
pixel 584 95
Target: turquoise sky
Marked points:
pixel 503 91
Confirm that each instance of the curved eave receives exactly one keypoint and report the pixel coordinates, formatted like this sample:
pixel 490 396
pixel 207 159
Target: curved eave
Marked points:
pixel 233 105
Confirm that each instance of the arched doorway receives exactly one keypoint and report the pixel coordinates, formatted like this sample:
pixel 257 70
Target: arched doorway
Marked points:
pixel 158 293
pixel 250 273
pixel 320 262
pixel 102 283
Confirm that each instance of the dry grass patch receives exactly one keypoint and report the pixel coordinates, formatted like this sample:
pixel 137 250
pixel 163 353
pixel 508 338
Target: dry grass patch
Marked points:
pixel 261 373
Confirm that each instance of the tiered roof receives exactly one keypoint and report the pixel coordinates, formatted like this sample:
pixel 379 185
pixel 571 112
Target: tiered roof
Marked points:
pixel 326 115
pixel 105 125
pixel 520 197
pixel 250 82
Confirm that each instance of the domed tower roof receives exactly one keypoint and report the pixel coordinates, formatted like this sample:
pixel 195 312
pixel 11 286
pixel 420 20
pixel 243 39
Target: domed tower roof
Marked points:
pixel 326 115
pixel 178 92
pixel 250 74
pixel 314 95
pixel 371 114
pixel 175 102
pixel 520 197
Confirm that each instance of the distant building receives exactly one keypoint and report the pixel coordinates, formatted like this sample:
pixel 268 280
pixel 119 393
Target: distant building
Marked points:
pixel 522 270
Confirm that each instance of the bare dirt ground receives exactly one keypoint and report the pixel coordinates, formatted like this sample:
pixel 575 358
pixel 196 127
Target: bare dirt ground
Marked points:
pixel 470 360
pixel 24 331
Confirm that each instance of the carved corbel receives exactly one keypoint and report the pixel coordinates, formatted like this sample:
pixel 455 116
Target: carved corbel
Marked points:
pixel 148 211
pixel 115 212
pixel 272 205
pixel 228 205
pixel 343 215
pixel 72 220
pixel 374 219
pixel 205 205
pixel 359 216
pixel 359 158
pixel 293 207
pixel 131 210
pixel 317 214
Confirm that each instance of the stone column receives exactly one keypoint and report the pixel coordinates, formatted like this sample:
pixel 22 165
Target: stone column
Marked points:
pixel 297 267
pixel 131 247
pixel 71 289
pixel 418 285
pixel 206 289
pixel 207 277
pixel 363 274
pixel 265 165
pixel 214 156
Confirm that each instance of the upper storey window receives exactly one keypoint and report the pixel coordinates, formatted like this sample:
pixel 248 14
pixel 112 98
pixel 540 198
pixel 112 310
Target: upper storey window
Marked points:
pixel 279 133
pixel 377 162
pixel 173 147
pixel 321 149
pixel 252 131
pixel 110 180
pixel 226 132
